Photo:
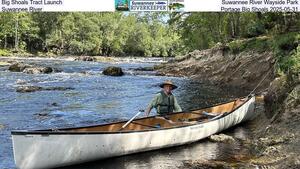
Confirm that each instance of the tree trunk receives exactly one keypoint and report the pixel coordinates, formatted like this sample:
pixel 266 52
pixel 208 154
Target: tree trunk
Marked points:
pixel 62 41
pixel 5 41
pixel 259 15
pixel 237 25
pixel 232 28
pixel 220 19
pixel 16 35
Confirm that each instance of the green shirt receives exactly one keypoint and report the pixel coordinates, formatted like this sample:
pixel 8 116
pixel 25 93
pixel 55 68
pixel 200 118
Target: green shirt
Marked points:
pixel 158 99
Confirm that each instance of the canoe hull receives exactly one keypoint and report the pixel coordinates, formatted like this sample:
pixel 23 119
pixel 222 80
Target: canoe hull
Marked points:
pixel 55 150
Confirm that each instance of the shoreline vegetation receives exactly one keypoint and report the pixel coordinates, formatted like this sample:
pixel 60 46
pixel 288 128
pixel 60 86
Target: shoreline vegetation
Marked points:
pixel 9 60
pixel 225 49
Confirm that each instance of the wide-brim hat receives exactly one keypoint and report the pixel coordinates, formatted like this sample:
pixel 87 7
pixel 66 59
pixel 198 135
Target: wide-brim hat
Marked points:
pixel 168 82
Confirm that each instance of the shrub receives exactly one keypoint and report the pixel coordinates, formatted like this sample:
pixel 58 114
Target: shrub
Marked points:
pixel 286 50
pixel 256 44
pixel 256 29
pixel 4 52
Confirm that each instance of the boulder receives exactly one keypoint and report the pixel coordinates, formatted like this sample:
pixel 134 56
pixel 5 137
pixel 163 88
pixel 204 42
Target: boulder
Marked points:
pixel 54 104
pixel 144 69
pixel 86 58
pixel 18 67
pixel 42 115
pixel 113 71
pixel 58 88
pixel 38 70
pixel 27 89
pixel 222 138
pixel 29 69
pixel 20 82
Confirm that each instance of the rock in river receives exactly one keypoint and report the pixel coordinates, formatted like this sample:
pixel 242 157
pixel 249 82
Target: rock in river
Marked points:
pixel 21 82
pixel 42 115
pixel 222 138
pixel 144 69
pixel 86 58
pixel 18 67
pixel 2 126
pixel 38 70
pixel 29 69
pixel 27 89
pixel 59 88
pixel 113 71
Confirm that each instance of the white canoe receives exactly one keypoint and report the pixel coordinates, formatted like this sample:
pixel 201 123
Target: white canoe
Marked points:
pixel 61 147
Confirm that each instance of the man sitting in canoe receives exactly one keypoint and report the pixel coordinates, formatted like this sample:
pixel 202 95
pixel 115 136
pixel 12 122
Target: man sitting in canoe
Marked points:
pixel 164 102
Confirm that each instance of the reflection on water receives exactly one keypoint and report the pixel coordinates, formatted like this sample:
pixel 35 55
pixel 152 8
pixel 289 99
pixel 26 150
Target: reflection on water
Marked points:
pixel 97 99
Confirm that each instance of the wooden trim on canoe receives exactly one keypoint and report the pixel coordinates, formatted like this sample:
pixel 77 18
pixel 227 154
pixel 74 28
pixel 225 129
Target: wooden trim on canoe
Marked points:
pixel 87 129
pixel 144 125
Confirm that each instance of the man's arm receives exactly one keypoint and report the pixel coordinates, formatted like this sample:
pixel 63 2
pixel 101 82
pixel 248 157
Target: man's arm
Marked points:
pixel 152 104
pixel 177 108
pixel 148 110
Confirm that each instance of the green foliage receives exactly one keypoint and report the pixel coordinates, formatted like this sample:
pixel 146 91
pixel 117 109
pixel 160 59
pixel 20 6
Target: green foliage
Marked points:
pixel 255 29
pixel 294 61
pixel 145 34
pixel 260 44
pixel 285 42
pixel 235 46
pixel 108 34
pixel 204 30
pixel 278 23
pixel 290 64
pixel 284 46
pixel 286 50
pixel 4 52
pixel 18 30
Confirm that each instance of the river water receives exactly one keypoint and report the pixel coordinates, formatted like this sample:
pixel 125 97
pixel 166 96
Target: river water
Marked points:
pixel 98 99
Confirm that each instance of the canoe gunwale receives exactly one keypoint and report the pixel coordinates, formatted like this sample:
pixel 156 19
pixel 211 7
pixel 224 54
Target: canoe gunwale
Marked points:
pixel 60 131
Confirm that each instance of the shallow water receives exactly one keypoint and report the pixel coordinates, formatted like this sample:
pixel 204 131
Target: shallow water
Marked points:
pixel 100 99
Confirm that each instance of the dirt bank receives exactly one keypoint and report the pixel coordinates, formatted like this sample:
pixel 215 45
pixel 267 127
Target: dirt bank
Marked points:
pixel 277 141
pixel 220 66
pixel 276 133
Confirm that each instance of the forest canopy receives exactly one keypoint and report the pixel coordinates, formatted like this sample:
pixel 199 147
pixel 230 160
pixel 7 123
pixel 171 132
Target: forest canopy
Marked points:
pixel 135 34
